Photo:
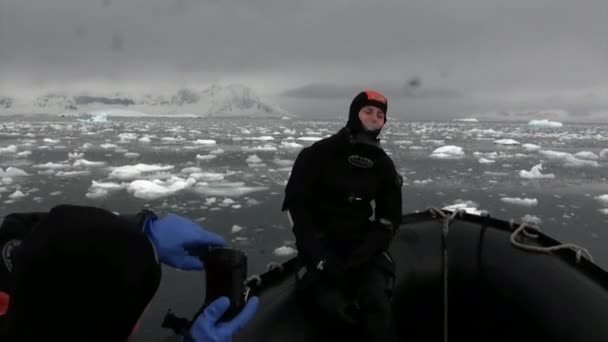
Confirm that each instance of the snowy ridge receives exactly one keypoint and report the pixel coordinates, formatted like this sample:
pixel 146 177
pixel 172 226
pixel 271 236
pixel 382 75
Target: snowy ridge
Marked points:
pixel 216 100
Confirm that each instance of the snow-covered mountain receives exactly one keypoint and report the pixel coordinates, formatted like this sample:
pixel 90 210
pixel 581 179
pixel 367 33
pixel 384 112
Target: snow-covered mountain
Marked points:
pixel 216 100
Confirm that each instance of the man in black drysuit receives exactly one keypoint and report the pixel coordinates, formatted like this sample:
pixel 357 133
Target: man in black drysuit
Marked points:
pixel 344 200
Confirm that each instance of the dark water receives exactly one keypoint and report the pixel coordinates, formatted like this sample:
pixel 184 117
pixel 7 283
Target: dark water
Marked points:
pixel 250 193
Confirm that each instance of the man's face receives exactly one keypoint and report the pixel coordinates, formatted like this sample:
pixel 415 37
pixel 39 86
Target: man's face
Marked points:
pixel 372 118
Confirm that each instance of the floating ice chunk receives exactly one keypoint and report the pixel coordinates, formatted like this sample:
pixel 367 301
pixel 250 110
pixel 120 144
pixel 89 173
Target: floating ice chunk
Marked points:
pixel 604 154
pixel 264 138
pixel 422 182
pixel 236 228
pixel 469 207
pixel 151 190
pixel 253 159
pixel 205 156
pixel 291 145
pixel 8 149
pixel 535 173
pixel 52 166
pixel 84 162
pixel 205 142
pixel 66 174
pixel 13 172
pixel 131 155
pixel 217 151
pixel 108 146
pixel 603 211
pixel 544 123
pixel 144 140
pixel 51 141
pixel 602 198
pixel 526 202
pixel 309 138
pixel 230 189
pixel 17 195
pixel 129 172
pixel 531 147
pixel 486 161
pixel 467 120
pixel 283 162
pixel 207 176
pixel 447 152
pixel 75 155
pixel 23 154
pixel 506 142
pixel 568 159
pixel 531 219
pixel 586 155
pixel 284 251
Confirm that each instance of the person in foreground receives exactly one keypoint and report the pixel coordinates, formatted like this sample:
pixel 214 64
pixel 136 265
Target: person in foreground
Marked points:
pixel 82 273
pixel 344 200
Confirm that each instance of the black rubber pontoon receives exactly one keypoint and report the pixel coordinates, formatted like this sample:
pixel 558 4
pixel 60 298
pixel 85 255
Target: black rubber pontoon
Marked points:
pixel 494 290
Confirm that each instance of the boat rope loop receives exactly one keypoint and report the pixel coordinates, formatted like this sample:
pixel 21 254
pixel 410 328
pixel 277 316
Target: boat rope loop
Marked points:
pixel 438 213
pixel 533 233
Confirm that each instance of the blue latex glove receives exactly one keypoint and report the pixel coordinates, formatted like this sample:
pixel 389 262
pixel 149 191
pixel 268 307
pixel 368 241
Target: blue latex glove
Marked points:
pixel 174 235
pixel 206 328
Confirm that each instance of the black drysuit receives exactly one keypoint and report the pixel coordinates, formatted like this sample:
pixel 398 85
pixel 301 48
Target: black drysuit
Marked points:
pixel 330 198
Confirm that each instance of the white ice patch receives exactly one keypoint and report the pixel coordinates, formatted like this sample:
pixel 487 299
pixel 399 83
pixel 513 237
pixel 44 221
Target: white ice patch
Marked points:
pixel 228 189
pixel 131 155
pixel 51 141
pixel 604 154
pixel 108 146
pixel 127 136
pixel 603 211
pixel 531 147
pixel 567 158
pixel 17 195
pixel 264 138
pixel 23 154
pixel 283 162
pixel 506 142
pixel 402 142
pixel 469 207
pixel 447 152
pixel 205 157
pixel 52 166
pixel 586 155
pixel 152 190
pixel 544 123
pixel 422 182
pixel 236 228
pixel 84 162
pixel 535 173
pixel 144 140
pixel 9 149
pixel 75 155
pixel 217 151
pixel 129 172
pixel 309 138
pixel 531 219
pixel 602 198
pixel 13 172
pixel 291 145
pixel 253 159
pixel 284 251
pixel 486 161
pixel 207 176
pixel 205 142
pixel 100 189
pixel 526 202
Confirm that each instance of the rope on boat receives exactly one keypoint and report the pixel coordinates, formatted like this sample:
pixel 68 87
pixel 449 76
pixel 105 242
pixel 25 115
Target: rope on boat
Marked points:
pixel 438 213
pixel 580 251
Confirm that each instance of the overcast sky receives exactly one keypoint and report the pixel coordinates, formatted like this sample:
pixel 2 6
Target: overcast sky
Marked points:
pixel 467 55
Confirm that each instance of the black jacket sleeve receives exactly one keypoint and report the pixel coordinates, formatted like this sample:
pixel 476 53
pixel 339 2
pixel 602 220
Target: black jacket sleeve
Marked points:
pixel 299 202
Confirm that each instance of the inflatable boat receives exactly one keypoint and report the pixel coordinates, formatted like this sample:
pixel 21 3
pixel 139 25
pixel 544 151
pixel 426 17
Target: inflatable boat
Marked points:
pixel 460 277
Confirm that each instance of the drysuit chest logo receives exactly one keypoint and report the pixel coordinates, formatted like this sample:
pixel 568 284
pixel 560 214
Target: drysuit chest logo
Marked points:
pixel 359 161
pixel 7 251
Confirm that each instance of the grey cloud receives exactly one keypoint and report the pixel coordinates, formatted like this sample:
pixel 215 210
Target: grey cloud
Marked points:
pixel 460 49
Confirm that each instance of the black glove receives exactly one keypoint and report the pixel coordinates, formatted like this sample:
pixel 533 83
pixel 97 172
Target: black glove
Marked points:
pixel 375 242
pixel 330 265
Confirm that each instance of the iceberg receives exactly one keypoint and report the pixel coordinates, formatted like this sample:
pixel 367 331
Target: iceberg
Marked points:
pixel 544 123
